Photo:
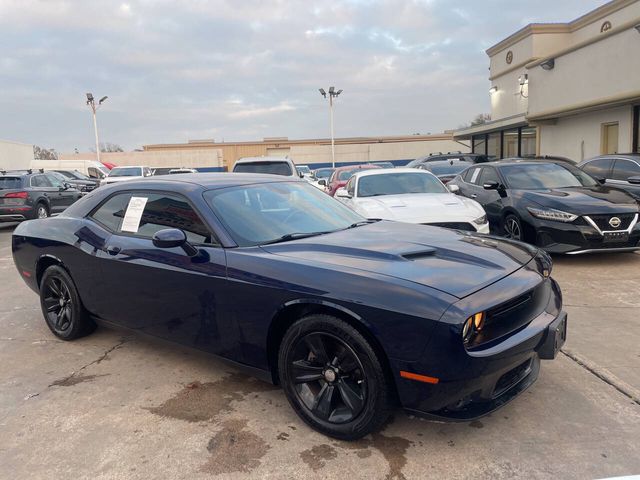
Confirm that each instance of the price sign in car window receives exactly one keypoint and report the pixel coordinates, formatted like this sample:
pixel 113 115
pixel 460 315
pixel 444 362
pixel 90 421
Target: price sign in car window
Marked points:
pixel 131 222
pixel 476 172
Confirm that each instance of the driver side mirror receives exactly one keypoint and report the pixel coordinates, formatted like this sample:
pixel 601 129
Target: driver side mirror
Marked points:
pixel 322 182
pixel 491 185
pixel 634 180
pixel 453 188
pixel 342 193
pixel 172 238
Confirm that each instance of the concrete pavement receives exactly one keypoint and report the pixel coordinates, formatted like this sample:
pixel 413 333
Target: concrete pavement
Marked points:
pixel 118 406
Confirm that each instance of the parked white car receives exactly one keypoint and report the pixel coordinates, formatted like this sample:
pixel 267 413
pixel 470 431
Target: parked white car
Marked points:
pixel 412 196
pixel 123 174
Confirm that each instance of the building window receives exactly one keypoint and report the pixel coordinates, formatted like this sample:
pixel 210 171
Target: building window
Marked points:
pixel 494 145
pixel 510 143
pixel 528 142
pixel 479 144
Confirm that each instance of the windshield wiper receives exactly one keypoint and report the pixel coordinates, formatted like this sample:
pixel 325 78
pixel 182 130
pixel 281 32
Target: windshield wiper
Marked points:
pixel 295 236
pixel 363 222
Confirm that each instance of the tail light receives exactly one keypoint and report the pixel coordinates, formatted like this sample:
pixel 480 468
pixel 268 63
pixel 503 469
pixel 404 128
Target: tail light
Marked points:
pixel 16 195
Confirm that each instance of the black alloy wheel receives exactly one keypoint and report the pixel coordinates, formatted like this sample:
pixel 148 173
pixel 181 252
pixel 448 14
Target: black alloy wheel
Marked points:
pixel 333 378
pixel 63 311
pixel 328 377
pixel 512 227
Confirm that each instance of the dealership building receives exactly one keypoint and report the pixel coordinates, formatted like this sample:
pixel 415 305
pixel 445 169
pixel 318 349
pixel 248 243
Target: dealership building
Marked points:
pixel 568 89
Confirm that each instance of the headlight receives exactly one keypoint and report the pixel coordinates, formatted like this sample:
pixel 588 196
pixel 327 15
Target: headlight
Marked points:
pixel 551 214
pixel 472 325
pixel 480 220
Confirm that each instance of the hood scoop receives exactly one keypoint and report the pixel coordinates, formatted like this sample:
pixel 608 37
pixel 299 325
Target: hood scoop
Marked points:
pixel 416 254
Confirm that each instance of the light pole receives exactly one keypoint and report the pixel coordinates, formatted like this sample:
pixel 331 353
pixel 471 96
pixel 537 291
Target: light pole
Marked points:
pixel 332 94
pixel 94 107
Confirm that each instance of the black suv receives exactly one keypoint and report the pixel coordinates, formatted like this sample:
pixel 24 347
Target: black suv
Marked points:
pixel 435 157
pixel 26 195
pixel 621 170
pixel 79 180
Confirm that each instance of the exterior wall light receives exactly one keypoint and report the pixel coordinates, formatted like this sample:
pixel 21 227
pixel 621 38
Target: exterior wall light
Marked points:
pixel 523 80
pixel 548 64
pixel 493 89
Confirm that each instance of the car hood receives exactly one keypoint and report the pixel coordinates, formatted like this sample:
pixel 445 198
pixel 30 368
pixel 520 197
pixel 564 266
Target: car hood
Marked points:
pixel 584 200
pixel 420 207
pixel 457 263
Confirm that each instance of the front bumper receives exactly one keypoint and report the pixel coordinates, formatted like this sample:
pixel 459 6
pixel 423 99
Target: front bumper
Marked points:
pixel 472 383
pixel 573 238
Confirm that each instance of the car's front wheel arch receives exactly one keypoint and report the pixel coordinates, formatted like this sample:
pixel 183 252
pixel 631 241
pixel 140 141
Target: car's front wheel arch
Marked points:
pixel 294 311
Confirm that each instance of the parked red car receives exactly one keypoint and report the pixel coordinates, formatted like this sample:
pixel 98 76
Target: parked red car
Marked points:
pixel 341 176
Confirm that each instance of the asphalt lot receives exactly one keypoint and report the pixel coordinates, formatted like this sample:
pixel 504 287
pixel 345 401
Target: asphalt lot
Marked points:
pixel 114 406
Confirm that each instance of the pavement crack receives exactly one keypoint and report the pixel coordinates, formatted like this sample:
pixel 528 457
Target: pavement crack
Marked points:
pixel 604 375
pixel 68 379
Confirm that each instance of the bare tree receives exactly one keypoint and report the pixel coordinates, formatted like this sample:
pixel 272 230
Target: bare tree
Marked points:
pixel 40 153
pixel 480 119
pixel 109 147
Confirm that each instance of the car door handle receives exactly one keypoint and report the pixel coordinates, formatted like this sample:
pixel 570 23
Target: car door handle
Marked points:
pixel 473 195
pixel 113 250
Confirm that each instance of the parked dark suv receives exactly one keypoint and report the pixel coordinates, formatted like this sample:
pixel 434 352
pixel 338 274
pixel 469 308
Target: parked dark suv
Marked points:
pixel 621 170
pixel 437 157
pixel 26 195
pixel 79 180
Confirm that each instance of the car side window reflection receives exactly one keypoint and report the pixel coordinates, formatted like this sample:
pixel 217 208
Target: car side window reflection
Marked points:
pixel 171 211
pixel 111 212
pixel 623 169
pixel 488 175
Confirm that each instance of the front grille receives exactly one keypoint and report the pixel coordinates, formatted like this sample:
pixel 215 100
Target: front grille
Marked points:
pixel 456 225
pixel 602 221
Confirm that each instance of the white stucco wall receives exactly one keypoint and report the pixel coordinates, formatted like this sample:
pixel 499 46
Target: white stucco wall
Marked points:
pixel 579 136
pixel 14 155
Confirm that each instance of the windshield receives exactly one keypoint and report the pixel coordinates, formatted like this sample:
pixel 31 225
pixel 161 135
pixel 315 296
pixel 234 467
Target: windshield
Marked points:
pixel 398 184
pixel 126 172
pixel 543 176
pixel 448 168
pixel 323 173
pixel 273 168
pixel 262 213
pixel 10 182
pixel 345 175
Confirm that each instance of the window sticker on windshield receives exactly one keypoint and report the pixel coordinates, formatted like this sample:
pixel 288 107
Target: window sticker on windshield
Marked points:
pixel 131 222
pixel 474 177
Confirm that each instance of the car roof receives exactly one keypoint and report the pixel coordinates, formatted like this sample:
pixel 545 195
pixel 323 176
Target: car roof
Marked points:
pixel 357 166
pixel 206 180
pixel 129 166
pixel 389 171
pixel 528 161
pixel 628 156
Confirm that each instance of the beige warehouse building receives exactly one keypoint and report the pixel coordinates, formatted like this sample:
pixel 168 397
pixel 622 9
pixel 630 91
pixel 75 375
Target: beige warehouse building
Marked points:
pixel 317 152
pixel 569 89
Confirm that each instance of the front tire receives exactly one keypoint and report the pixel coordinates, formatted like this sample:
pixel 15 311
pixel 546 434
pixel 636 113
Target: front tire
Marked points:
pixel 333 378
pixel 512 228
pixel 61 306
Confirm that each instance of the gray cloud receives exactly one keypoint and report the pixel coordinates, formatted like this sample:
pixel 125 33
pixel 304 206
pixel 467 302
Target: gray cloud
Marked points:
pixel 244 70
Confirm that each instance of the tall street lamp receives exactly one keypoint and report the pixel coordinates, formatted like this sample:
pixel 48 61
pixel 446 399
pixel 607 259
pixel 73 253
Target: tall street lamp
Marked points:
pixel 332 94
pixel 94 107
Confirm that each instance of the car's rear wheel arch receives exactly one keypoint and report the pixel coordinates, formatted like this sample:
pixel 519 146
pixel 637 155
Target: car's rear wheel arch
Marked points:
pixel 292 312
pixel 44 262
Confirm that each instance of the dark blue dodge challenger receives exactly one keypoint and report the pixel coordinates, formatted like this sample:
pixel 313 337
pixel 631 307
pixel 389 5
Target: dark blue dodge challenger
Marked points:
pixel 349 315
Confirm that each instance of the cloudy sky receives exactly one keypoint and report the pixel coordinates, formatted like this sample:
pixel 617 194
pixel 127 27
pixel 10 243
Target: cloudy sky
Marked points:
pixel 246 69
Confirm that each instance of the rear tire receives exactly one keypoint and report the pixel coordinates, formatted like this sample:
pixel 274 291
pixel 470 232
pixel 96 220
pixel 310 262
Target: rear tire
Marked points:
pixel 61 306
pixel 333 378
pixel 42 211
